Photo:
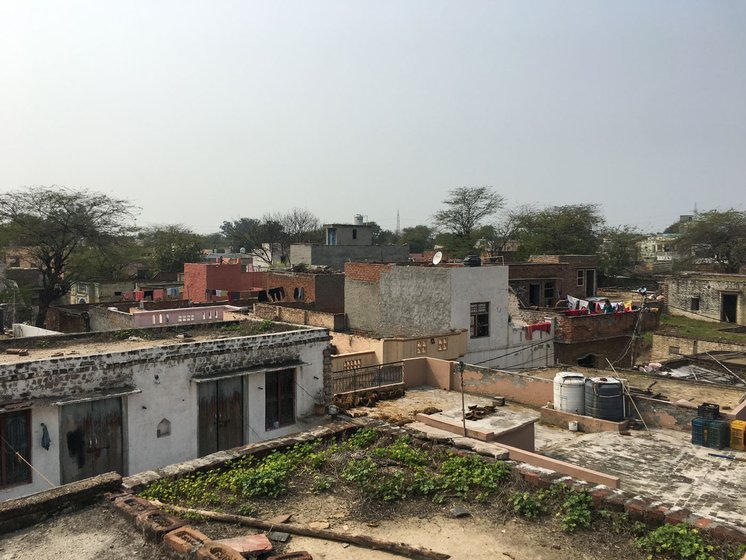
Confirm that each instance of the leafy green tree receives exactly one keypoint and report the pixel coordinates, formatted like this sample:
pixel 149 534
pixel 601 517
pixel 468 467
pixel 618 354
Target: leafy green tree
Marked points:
pixel 556 230
pixel 419 238
pixel 454 246
pixel 57 223
pixel 618 251
pixel 256 237
pixel 714 235
pixel 466 209
pixel 119 261
pixel 383 236
pixel 170 246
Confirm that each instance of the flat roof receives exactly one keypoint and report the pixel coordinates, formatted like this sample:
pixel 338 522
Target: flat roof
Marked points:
pixel 84 344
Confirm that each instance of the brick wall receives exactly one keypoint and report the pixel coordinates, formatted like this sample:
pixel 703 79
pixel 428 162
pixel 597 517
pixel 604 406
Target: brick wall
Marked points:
pixel 597 351
pixel 69 375
pixel 666 347
pixel 601 326
pixel 522 275
pixel 325 291
pixel 300 316
pixel 365 272
pixel 708 289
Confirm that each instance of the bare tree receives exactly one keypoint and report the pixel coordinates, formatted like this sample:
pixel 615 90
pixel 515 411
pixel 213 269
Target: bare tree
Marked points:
pixel 300 225
pixel 56 222
pixel 466 208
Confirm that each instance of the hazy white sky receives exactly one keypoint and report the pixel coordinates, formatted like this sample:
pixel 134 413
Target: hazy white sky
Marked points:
pixel 201 112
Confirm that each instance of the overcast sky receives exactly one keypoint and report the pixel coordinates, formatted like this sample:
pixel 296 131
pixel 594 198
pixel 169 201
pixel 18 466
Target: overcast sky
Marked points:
pixel 200 112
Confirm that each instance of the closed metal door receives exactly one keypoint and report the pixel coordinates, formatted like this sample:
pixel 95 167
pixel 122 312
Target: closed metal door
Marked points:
pixel 91 435
pixel 220 415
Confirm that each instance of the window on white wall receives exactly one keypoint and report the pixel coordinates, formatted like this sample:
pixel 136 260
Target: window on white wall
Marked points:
pixel 279 391
pixel 480 319
pixel 15 429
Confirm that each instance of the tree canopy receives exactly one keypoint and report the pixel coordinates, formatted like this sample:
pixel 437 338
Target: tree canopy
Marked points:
pixel 170 246
pixel 556 230
pixel 56 223
pixel 618 251
pixel 716 236
pixel 466 210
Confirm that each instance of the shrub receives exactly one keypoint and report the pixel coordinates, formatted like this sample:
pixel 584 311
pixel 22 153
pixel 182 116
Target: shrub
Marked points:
pixel 528 505
pixel 576 511
pixel 462 474
pixel 675 542
pixel 364 437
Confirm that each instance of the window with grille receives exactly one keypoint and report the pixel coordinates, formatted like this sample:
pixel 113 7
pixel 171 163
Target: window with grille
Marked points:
pixel 422 346
pixel 480 319
pixel 279 403
pixel 16 439
pixel 442 344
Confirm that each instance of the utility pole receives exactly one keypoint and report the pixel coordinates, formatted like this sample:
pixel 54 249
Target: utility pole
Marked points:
pixel 461 366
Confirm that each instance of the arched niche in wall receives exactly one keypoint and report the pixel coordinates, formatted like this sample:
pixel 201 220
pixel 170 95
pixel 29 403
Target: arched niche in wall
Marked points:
pixel 164 428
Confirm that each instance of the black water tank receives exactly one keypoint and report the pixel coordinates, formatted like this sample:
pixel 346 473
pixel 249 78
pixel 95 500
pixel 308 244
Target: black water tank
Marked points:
pixel 604 398
pixel 472 260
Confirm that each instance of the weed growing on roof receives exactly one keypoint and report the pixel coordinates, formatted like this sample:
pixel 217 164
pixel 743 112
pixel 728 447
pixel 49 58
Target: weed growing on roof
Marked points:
pixel 576 511
pixel 675 542
pixel 364 437
pixel 464 474
pixel 529 505
pixel 402 452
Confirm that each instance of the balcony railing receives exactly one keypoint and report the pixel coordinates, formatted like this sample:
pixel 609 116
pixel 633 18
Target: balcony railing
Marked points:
pixel 368 377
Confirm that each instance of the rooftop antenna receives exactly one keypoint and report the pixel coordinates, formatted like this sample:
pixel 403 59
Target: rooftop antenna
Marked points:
pixel 398 224
pixel 437 257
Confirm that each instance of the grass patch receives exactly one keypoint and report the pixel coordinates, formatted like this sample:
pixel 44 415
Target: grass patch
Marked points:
pixel 695 328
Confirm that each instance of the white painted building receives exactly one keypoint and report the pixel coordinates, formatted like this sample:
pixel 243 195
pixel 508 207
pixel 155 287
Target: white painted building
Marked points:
pixel 134 410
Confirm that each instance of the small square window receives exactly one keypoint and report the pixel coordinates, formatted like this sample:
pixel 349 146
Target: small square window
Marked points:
pixel 581 278
pixel 694 304
pixel 421 347
pixel 674 350
pixel 442 344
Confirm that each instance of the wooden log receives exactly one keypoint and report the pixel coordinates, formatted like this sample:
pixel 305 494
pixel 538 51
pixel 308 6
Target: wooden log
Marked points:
pixel 373 543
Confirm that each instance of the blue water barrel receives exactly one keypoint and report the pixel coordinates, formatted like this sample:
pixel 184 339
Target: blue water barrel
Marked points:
pixel 604 398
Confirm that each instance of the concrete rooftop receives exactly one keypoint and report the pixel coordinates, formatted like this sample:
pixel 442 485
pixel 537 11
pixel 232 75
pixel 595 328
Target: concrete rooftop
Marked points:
pixel 662 464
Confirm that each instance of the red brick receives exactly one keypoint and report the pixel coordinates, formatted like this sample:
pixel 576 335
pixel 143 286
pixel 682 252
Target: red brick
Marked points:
pixel 132 506
pixel 185 540
pixel 655 515
pixel 215 551
pixel 155 523
pixel 636 509
pixel 599 496
pixel 728 534
pixel 674 517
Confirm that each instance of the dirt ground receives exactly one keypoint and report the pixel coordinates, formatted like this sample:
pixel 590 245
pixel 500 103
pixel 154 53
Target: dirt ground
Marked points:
pixel 93 533
pixel 97 533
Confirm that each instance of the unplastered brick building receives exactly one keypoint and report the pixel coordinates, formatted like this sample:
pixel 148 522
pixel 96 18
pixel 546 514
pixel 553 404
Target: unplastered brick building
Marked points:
pixel 546 279
pixel 707 296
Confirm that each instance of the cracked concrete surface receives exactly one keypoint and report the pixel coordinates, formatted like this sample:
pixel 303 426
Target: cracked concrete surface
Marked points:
pixel 663 465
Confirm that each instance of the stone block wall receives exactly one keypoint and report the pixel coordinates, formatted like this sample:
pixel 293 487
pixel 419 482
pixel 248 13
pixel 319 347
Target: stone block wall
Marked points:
pixel 667 347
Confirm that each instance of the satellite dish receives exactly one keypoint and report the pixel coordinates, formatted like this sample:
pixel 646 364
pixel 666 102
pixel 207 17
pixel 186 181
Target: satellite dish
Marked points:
pixel 242 250
pixel 437 257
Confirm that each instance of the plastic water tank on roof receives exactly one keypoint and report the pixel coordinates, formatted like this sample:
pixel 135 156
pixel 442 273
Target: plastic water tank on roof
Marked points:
pixel 569 392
